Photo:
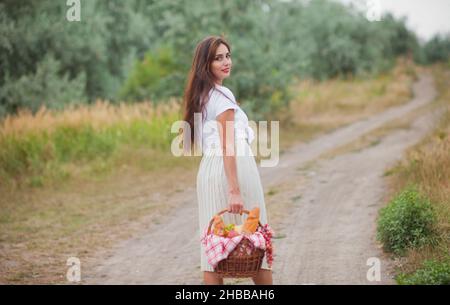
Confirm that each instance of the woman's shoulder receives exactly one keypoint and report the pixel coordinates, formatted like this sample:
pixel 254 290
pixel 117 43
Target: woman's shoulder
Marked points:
pixel 225 92
pixel 219 100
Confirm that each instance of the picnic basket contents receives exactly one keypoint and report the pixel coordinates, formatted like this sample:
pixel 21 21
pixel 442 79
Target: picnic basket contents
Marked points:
pixel 238 250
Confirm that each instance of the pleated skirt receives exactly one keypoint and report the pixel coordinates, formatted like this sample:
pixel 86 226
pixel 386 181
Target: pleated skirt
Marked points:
pixel 212 192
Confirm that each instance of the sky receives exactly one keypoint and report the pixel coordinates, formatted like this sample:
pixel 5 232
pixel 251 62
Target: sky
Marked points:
pixel 425 17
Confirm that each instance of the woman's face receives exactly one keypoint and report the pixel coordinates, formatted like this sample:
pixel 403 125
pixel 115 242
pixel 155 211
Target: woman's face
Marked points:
pixel 221 65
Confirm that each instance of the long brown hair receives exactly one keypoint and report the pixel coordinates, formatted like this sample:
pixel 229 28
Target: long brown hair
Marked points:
pixel 200 80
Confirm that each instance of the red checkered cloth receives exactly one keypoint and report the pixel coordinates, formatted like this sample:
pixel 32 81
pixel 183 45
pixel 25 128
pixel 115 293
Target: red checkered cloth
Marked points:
pixel 218 248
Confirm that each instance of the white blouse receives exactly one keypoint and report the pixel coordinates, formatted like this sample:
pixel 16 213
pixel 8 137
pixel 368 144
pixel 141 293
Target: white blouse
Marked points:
pixel 220 99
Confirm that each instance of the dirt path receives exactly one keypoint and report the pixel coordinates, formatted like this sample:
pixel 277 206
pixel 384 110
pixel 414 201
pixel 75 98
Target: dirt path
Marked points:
pixel 325 234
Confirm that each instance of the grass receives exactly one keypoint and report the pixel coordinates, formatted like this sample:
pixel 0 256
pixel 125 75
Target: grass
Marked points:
pixel 432 272
pixel 427 165
pixel 407 222
pixel 374 137
pixel 50 147
pixel 319 107
pixel 75 182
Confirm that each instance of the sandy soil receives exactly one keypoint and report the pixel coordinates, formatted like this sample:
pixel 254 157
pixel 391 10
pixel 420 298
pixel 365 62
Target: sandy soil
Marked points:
pixel 323 211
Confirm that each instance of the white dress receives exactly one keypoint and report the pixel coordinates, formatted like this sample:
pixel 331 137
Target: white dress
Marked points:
pixel 212 183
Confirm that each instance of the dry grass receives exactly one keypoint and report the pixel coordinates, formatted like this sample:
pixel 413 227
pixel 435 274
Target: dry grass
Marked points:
pixel 51 147
pixel 323 106
pixel 374 137
pixel 427 164
pixel 99 115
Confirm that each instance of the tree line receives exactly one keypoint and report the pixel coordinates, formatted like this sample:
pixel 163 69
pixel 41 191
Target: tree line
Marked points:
pixel 138 50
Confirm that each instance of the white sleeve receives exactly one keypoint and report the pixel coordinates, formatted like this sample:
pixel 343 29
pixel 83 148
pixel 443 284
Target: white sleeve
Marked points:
pixel 222 103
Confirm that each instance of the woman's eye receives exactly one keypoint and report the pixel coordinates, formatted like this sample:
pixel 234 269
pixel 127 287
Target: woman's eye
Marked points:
pixel 220 58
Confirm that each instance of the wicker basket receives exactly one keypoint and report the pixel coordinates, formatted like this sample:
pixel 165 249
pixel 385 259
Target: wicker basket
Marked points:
pixel 239 263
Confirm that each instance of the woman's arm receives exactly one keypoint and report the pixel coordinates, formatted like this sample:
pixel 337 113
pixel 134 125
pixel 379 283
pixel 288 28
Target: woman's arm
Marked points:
pixel 226 136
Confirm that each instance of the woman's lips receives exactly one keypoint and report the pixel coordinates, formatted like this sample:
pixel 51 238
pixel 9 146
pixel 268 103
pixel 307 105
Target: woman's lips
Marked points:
pixel 226 70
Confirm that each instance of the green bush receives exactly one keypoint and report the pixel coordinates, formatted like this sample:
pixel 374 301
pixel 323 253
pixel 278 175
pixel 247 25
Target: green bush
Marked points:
pixel 437 49
pixel 432 273
pixel 48 86
pixel 153 77
pixel 406 222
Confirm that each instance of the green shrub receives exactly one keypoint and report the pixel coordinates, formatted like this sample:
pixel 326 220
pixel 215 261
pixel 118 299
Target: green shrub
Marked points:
pixel 437 49
pixel 48 86
pixel 432 273
pixel 154 77
pixel 406 222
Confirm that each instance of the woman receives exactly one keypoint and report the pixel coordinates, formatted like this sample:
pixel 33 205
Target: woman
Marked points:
pixel 227 175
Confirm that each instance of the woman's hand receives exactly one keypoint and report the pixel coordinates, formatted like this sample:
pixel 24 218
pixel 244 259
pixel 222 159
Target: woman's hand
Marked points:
pixel 236 205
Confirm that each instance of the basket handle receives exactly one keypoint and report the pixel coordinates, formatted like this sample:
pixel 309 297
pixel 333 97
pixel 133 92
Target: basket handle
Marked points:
pixel 224 211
